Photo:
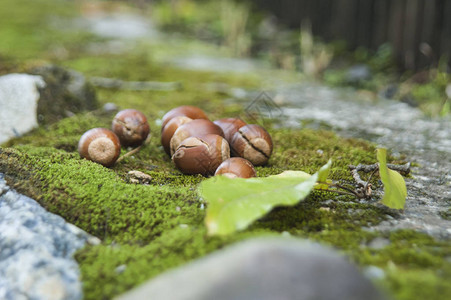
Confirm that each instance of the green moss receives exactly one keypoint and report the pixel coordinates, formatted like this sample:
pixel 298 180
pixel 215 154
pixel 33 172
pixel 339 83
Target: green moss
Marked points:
pixel 431 96
pixel 446 214
pixel 411 283
pixel 30 30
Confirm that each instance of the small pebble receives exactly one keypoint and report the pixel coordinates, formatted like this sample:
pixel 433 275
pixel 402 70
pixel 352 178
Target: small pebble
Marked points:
pixel 379 243
pixel 373 272
pixel 448 91
pixel 120 269
pixel 110 107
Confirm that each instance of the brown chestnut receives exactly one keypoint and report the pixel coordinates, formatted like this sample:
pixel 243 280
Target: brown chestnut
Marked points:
pixel 100 145
pixel 253 143
pixel 229 126
pixel 168 131
pixel 189 111
pixel 131 127
pixel 236 167
pixel 201 155
pixel 194 128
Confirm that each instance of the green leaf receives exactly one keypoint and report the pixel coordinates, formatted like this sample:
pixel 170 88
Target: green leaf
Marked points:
pixel 395 191
pixel 290 173
pixel 323 173
pixel 234 203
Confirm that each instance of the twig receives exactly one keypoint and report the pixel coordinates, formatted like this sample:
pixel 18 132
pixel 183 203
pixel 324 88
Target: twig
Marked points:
pixel 135 150
pixel 364 188
pixel 341 192
pixel 111 83
pixel 403 169
pixel 129 153
pixel 339 186
pixel 346 191
pixel 355 174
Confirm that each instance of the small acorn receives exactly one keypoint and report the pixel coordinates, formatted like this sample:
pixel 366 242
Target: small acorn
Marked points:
pixel 195 128
pixel 201 155
pixel 100 145
pixel 189 111
pixel 168 131
pixel 253 143
pixel 229 126
pixel 236 167
pixel 131 127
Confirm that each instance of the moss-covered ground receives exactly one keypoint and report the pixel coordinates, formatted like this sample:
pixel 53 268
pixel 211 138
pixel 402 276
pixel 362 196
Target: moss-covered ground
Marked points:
pixel 152 228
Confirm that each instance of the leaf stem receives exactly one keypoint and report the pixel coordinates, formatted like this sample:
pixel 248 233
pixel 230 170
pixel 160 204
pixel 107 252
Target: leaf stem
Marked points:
pixel 347 191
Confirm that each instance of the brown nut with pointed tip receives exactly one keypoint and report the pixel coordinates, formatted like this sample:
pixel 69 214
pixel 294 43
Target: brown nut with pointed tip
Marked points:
pixel 253 143
pixel 189 111
pixel 230 126
pixel 131 127
pixel 100 145
pixel 168 131
pixel 236 167
pixel 201 155
pixel 195 128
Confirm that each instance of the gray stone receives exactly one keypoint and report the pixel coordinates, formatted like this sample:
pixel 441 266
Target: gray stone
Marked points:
pixel 120 26
pixel 110 107
pixel 374 272
pixel 19 97
pixel 274 268
pixel 66 92
pixel 216 64
pixel 379 243
pixel 358 73
pixel 389 92
pixel 50 94
pixel 448 91
pixel 36 250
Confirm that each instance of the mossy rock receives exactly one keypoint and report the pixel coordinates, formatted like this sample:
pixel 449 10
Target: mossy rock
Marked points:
pixel 66 93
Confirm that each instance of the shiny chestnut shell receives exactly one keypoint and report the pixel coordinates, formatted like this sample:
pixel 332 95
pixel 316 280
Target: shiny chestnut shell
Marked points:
pixel 229 126
pixel 100 145
pixel 168 131
pixel 131 127
pixel 194 128
pixel 189 111
pixel 201 155
pixel 236 167
pixel 253 143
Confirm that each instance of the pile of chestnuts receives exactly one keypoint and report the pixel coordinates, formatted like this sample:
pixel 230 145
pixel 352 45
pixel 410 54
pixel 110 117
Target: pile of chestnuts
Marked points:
pixel 128 129
pixel 195 144
pixel 200 146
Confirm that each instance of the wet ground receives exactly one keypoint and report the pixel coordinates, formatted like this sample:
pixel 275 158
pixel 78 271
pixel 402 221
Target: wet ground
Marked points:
pixel 391 124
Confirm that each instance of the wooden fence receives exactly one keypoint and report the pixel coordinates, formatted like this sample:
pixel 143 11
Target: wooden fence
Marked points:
pixel 418 30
